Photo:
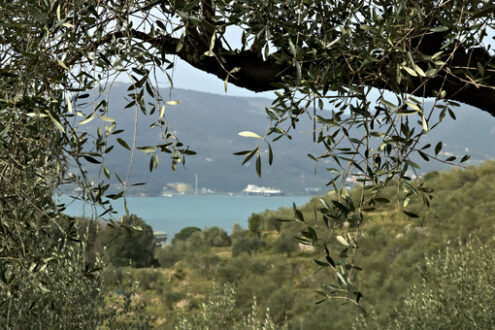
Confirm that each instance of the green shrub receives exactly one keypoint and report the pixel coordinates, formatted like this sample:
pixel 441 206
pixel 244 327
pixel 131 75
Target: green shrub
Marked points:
pixel 220 311
pixel 130 243
pixel 456 293
pixel 431 175
pixel 196 242
pixel 215 236
pixel 254 223
pixel 272 223
pixel 281 302
pixel 168 255
pixel 243 264
pixel 285 243
pixel 171 296
pixel 184 234
pixel 203 262
pixel 246 244
pixel 148 279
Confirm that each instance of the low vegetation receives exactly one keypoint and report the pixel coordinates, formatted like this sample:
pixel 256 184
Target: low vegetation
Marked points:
pixel 422 272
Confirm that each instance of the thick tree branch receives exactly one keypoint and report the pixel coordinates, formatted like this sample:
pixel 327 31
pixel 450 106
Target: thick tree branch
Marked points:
pixel 259 75
pixel 255 74
pixel 462 87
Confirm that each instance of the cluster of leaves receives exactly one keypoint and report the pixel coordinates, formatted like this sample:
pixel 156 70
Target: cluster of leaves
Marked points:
pixel 373 86
pixel 373 64
pixel 52 62
pixel 43 270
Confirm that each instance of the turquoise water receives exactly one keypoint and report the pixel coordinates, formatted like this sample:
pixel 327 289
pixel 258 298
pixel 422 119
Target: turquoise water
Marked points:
pixel 171 214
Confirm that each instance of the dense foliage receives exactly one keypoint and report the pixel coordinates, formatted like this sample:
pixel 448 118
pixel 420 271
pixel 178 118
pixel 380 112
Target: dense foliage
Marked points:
pixel 185 233
pixel 59 58
pixel 130 243
pixel 456 291
pixel 45 281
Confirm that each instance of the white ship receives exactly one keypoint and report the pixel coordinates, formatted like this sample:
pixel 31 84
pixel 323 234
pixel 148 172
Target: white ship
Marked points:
pixel 254 190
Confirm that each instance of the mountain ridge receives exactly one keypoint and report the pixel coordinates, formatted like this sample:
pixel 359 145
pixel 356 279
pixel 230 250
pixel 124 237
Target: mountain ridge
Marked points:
pixel 209 123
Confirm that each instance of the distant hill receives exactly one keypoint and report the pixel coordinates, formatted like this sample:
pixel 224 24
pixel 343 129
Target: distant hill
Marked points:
pixel 473 133
pixel 210 123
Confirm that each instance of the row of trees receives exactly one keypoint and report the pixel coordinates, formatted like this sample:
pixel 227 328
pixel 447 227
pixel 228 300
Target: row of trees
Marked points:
pixel 132 242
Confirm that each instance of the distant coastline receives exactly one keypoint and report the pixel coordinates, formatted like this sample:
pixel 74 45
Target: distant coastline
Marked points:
pixel 171 214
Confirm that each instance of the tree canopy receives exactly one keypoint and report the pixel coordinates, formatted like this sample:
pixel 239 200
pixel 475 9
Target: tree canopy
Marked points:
pixel 362 70
pixel 130 244
pixel 419 47
pixel 425 48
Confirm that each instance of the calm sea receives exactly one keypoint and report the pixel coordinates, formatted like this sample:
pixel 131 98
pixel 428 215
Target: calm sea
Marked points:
pixel 171 214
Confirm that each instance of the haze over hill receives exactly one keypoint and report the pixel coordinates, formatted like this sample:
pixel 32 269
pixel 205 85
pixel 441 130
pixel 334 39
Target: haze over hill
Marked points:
pixel 210 123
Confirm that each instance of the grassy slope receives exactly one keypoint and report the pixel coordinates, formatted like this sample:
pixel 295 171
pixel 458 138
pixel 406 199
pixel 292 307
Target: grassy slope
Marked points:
pixel 391 254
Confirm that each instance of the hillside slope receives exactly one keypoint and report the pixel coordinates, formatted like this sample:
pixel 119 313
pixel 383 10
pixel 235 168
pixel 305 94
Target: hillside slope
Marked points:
pixel 391 253
pixel 210 123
